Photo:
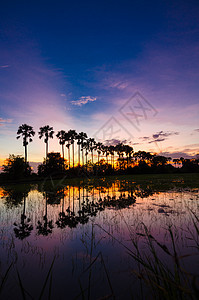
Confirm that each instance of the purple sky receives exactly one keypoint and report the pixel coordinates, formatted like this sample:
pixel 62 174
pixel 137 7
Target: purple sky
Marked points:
pixel 79 66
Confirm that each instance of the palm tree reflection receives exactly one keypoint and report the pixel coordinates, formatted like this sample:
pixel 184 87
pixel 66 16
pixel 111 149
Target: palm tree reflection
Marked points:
pixel 45 227
pixel 23 229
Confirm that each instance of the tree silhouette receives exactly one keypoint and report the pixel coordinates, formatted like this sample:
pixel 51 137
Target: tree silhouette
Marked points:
pixel 83 137
pixel 53 165
pixel 26 132
pixel 24 228
pixel 45 227
pixel 72 136
pixel 92 144
pixel 129 151
pixel 15 167
pixel 61 135
pixel 99 150
pixel 47 132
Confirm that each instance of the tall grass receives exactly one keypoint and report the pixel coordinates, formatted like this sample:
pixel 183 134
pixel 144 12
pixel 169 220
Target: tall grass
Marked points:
pixel 160 268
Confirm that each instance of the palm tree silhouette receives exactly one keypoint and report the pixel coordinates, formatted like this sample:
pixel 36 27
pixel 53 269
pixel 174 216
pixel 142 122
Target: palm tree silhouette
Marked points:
pixel 46 226
pixel 67 138
pixel 128 151
pixel 27 133
pixel 99 150
pixel 24 228
pixel 92 147
pixel 83 137
pixel 80 140
pixel 47 132
pixel 72 136
pixel 87 147
pixel 61 135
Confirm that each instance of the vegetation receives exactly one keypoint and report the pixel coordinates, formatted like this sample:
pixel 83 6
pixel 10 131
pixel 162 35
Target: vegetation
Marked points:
pixel 26 132
pixel 54 164
pixel 15 167
pixel 93 158
pixel 47 132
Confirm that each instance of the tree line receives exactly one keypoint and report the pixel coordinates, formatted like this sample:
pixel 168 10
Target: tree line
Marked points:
pixel 110 159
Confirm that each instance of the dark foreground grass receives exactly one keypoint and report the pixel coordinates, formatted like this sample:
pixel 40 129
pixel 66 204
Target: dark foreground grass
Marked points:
pixel 161 279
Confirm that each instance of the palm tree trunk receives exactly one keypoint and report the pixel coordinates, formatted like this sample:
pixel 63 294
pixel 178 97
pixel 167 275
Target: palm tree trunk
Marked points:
pixel 25 154
pixel 79 154
pixel 68 156
pixel 113 161
pixel 46 149
pixel 82 157
pixel 73 155
pixel 63 151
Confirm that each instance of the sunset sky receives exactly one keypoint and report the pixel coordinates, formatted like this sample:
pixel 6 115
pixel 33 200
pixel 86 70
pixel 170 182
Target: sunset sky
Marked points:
pixel 117 70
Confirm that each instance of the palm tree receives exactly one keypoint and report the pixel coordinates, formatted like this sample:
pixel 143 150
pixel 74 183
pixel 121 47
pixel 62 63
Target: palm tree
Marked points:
pixel 82 136
pixel 107 152
pixel 111 150
pixel 99 150
pixel 61 135
pixel 86 145
pixel 67 138
pixel 92 146
pixel 47 132
pixel 73 135
pixel 78 138
pixel 119 150
pixel 129 151
pixel 27 133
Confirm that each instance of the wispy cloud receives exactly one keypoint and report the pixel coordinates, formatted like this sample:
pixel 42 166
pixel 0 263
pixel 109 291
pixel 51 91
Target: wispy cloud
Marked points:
pixel 158 137
pixel 4 121
pixel 4 66
pixel 114 142
pixel 83 100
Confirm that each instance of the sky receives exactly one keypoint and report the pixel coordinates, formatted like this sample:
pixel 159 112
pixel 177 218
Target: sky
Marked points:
pixel 118 70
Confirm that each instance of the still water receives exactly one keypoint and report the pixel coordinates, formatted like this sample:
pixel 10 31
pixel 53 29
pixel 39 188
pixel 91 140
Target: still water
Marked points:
pixel 74 241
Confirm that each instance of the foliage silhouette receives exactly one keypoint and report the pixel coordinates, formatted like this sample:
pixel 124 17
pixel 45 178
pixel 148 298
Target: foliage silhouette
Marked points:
pixel 47 132
pixel 16 168
pixel 26 132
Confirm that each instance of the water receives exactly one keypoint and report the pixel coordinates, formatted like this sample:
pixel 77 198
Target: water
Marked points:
pixel 85 231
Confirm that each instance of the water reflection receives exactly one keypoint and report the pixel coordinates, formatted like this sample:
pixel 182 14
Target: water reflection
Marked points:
pixel 23 229
pixel 75 204
pixel 76 222
pixel 45 227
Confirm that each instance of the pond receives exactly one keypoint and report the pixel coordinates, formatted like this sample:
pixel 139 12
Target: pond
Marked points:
pixel 115 238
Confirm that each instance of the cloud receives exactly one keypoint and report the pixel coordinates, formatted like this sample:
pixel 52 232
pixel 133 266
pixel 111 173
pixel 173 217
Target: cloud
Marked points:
pixel 4 66
pixel 158 137
pixel 114 142
pixel 63 95
pixel 196 130
pixel 157 140
pixel 83 100
pixel 144 138
pixel 4 121
pixel 178 154
pixel 121 85
pixel 164 134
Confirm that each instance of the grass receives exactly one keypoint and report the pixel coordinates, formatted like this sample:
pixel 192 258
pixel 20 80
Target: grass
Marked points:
pixel 160 269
